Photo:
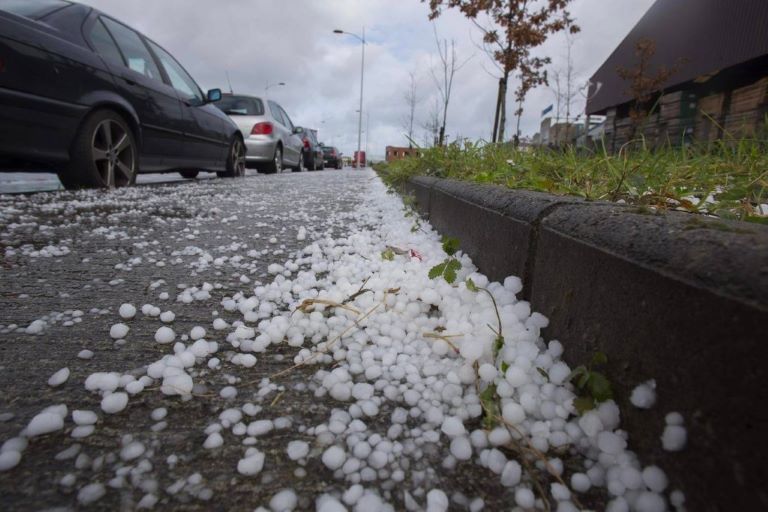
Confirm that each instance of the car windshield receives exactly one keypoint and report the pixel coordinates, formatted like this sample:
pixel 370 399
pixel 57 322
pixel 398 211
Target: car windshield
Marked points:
pixel 32 10
pixel 241 106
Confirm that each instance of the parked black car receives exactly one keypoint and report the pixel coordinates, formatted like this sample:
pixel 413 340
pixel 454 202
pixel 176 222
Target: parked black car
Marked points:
pixel 332 157
pixel 99 102
pixel 312 152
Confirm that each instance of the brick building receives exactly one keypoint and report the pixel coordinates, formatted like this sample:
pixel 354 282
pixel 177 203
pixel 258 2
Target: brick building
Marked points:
pixel 719 89
pixel 398 153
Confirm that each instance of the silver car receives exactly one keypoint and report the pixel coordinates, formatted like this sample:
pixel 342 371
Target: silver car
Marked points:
pixel 271 139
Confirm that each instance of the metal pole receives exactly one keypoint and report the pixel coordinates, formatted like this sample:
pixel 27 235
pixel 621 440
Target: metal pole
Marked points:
pixel 360 115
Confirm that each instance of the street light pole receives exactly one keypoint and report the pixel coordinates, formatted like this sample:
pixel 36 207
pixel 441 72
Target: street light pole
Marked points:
pixel 268 86
pixel 362 79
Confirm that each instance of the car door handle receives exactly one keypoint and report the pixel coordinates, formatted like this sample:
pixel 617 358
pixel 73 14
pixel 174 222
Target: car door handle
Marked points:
pixel 128 80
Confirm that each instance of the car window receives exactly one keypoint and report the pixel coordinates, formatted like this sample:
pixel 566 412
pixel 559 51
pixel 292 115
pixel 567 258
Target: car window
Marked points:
pixel 104 44
pixel 137 56
pixel 241 106
pixel 287 119
pixel 32 10
pixel 275 109
pixel 180 79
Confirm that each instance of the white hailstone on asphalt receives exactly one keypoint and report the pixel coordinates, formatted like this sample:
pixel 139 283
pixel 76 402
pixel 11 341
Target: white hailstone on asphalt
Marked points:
pixel 228 392
pixel 158 414
pixel 461 448
pixel 219 324
pixel 558 372
pixel 197 333
pixel 180 384
pixel 84 417
pixel 511 474
pixel 334 457
pixel 214 440
pixel 453 426
pixel 524 497
pixel 297 450
pixel 487 372
pixel 165 335
pixel 327 503
pixel 59 378
pixel 114 403
pixel 644 395
pixel 252 463
pixel 655 479
pixel 674 438
pixel 44 423
pixel 118 331
pixel 513 413
pixel 127 311
pixel 85 354
pixel 260 427
pixel 91 493
pixel 9 459
pixel 284 501
pixel 437 501
pixel 650 502
pixel 132 451
pixel 580 482
pixel 167 317
pixel 611 443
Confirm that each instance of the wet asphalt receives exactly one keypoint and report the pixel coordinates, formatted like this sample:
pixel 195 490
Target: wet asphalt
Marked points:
pixel 130 245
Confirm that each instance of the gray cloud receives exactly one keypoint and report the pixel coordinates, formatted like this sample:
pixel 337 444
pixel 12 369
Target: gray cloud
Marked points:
pixel 292 41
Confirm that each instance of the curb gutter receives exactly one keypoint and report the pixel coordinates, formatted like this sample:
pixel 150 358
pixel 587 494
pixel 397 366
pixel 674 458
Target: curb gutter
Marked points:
pixel 675 297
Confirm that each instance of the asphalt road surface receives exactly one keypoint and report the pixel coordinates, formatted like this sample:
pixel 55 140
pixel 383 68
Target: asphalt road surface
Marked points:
pixel 68 260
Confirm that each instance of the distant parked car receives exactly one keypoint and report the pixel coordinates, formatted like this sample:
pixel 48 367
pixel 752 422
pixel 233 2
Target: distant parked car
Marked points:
pixel 313 151
pixel 272 140
pixel 332 157
pixel 99 102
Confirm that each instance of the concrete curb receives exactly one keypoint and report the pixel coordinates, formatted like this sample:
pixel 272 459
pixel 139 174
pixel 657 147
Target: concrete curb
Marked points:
pixel 676 297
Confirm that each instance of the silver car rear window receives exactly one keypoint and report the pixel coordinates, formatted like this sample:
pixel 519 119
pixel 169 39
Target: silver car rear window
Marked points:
pixel 241 105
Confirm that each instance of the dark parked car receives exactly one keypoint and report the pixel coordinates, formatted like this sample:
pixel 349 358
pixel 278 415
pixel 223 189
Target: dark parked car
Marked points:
pixel 332 157
pixel 313 152
pixel 99 102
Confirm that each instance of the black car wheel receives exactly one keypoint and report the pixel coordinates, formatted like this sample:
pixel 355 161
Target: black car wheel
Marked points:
pixel 235 160
pixel 190 175
pixel 300 167
pixel 103 155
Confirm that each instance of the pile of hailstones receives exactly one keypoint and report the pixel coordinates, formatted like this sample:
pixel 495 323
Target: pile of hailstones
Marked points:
pixel 427 385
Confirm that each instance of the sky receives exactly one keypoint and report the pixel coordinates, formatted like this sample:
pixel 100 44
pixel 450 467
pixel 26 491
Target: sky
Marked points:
pixel 260 42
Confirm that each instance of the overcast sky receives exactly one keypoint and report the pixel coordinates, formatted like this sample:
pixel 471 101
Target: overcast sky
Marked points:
pixel 292 41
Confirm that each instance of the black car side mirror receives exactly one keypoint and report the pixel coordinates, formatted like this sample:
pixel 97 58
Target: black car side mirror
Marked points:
pixel 213 95
pixel 298 129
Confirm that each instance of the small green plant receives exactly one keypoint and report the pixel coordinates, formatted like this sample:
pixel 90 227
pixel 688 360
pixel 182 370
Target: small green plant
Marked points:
pixel 450 266
pixel 592 386
pixel 388 254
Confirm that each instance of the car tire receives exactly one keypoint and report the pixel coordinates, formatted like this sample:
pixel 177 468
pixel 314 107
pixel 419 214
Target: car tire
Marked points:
pixel 300 166
pixel 235 160
pixel 104 154
pixel 276 165
pixel 190 175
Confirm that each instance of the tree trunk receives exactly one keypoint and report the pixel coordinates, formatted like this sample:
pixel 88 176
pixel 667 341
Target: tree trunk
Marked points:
pixel 503 118
pixel 498 112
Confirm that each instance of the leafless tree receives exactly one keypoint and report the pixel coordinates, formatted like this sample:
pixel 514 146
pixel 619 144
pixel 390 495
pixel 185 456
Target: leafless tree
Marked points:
pixel 432 125
pixel 565 87
pixel 449 65
pixel 511 29
pixel 411 99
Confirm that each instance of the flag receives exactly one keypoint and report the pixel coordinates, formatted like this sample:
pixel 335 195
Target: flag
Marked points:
pixel 546 110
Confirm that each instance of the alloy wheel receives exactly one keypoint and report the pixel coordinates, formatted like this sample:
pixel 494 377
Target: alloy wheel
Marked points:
pixel 113 154
pixel 238 158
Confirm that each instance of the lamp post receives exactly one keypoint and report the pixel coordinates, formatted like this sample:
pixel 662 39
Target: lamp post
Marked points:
pixel 268 86
pixel 362 75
